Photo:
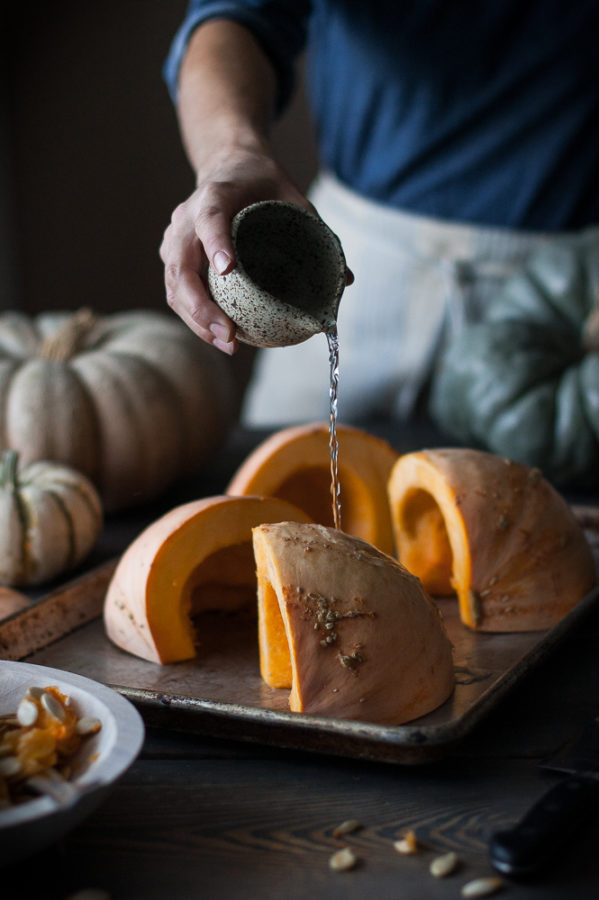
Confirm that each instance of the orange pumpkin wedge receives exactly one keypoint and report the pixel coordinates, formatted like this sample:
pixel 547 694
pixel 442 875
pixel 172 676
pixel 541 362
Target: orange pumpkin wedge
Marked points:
pixel 196 557
pixel 346 627
pixel 493 531
pixel 295 464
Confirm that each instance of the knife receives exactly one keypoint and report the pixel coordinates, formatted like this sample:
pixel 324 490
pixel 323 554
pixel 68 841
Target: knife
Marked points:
pixel 555 818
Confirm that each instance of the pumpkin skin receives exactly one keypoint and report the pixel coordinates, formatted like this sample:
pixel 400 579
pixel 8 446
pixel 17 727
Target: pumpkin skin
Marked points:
pixel 295 464
pixel 196 557
pixel 12 602
pixel 493 531
pixel 50 518
pixel 524 382
pixel 132 400
pixel 386 659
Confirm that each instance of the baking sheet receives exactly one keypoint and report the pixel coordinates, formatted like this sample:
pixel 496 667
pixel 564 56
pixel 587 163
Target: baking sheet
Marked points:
pixel 221 694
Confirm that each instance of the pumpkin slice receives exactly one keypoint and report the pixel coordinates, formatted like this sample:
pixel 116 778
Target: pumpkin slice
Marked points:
pixel 346 627
pixel 295 464
pixel 197 557
pixel 495 532
pixel 12 601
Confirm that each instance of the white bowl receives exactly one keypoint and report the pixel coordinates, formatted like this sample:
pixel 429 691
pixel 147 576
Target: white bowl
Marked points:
pixel 101 760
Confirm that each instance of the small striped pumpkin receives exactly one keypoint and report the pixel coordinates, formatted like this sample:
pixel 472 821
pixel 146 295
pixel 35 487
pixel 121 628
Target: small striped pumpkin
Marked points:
pixel 50 518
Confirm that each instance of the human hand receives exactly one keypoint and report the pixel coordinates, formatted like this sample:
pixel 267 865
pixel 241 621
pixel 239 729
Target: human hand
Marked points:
pixel 199 234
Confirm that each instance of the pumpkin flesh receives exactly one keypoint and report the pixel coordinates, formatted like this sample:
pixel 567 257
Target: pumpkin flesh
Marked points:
pixel 346 628
pixel 295 464
pixel 194 558
pixel 519 560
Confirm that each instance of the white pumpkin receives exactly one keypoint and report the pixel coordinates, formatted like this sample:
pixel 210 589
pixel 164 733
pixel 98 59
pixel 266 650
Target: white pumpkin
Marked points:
pixel 132 400
pixel 50 518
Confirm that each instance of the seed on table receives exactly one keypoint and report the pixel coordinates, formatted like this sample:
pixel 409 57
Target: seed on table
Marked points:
pixel 343 860
pixel 408 844
pixel 27 713
pixel 481 887
pixel 347 827
pixel 444 865
pixel 52 706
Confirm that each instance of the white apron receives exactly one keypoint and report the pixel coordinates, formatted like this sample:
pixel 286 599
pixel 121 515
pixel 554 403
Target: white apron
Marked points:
pixel 417 281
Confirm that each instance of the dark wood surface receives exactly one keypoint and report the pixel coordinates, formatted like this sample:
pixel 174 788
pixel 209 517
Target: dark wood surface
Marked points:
pixel 196 817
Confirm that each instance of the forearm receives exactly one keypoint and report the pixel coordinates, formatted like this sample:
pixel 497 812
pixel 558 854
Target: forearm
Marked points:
pixel 227 92
pixel 226 99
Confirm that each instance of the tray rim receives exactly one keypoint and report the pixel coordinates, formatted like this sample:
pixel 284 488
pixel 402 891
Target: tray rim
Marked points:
pixel 412 742
pixel 412 734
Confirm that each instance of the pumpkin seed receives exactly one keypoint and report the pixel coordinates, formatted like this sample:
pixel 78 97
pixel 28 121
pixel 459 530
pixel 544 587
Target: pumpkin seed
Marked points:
pixel 52 706
pixel 444 865
pixel 347 827
pixel 27 712
pixel 88 725
pixel 408 844
pixel 343 860
pixel 481 887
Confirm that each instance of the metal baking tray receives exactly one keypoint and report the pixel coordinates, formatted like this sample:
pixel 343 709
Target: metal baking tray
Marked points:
pixel 221 693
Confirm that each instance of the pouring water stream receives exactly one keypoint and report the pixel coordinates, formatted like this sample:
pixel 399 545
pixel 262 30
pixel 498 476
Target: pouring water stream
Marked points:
pixel 333 342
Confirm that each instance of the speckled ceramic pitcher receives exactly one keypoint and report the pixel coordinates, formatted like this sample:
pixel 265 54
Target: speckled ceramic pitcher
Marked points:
pixel 289 277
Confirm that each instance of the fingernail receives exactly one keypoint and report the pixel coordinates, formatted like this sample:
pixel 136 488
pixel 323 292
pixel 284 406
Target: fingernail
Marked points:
pixel 221 261
pixel 221 332
pixel 225 346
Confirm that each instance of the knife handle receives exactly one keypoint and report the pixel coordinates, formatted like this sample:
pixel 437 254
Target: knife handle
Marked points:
pixel 546 827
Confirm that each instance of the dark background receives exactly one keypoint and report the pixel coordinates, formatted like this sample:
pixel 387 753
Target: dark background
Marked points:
pixel 91 164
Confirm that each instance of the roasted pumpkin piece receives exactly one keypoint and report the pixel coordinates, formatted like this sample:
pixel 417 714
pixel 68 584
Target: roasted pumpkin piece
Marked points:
pixel 493 531
pixel 347 628
pixel 12 601
pixel 195 558
pixel 295 464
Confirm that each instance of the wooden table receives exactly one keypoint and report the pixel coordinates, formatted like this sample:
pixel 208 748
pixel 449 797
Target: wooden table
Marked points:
pixel 207 818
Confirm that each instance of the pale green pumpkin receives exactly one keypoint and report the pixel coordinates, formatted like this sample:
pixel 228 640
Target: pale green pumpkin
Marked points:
pixel 524 382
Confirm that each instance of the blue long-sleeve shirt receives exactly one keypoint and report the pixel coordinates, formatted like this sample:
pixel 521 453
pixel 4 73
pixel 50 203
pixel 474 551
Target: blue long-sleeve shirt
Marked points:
pixel 480 111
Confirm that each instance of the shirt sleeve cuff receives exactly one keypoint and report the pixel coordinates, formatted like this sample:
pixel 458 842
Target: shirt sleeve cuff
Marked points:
pixel 281 33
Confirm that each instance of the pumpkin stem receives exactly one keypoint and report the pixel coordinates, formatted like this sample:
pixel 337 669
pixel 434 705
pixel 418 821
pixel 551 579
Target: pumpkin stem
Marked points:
pixel 68 340
pixel 8 469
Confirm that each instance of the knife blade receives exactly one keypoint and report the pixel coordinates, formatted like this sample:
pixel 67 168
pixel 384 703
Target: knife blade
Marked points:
pixel 558 815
